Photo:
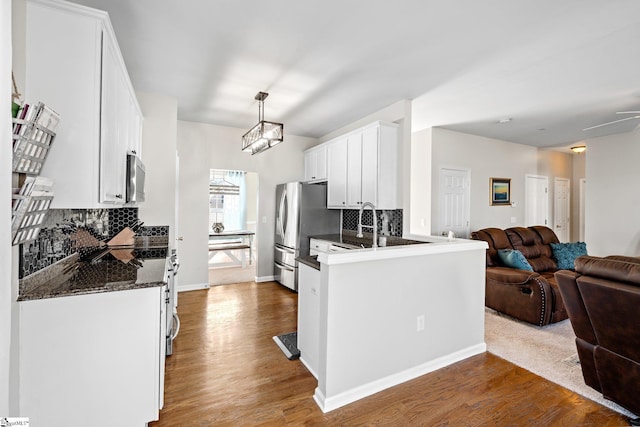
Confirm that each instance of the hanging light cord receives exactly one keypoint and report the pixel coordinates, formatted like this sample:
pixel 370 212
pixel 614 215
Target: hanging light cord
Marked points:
pixel 15 95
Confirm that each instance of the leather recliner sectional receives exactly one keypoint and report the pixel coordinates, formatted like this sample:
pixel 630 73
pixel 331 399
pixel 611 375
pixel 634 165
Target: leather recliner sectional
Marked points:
pixel 602 297
pixel 530 296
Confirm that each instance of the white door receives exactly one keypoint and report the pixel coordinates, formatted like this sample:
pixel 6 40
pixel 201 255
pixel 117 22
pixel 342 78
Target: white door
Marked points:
pixel 536 200
pixel 583 189
pixel 454 201
pixel 562 209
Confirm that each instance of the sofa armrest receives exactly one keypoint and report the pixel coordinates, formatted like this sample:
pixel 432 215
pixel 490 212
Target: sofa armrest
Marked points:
pixel 525 295
pixel 510 276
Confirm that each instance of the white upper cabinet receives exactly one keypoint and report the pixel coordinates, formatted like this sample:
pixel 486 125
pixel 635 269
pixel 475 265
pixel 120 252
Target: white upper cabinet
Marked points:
pixel 315 164
pixel 74 65
pixel 363 167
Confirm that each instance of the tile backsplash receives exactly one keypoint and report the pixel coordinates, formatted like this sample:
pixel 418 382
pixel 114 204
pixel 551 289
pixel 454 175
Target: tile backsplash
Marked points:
pixel 67 231
pixel 389 221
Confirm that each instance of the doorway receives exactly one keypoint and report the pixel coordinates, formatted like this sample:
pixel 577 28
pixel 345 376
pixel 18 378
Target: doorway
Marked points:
pixel 233 211
pixel 562 209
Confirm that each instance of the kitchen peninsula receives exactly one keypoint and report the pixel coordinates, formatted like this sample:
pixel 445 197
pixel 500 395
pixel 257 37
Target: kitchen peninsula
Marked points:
pixel 373 318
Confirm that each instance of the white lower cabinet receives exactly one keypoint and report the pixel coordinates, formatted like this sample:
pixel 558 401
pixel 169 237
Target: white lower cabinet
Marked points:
pixel 309 317
pixel 92 359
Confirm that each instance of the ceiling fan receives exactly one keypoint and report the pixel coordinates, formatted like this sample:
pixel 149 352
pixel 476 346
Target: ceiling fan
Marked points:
pixel 636 115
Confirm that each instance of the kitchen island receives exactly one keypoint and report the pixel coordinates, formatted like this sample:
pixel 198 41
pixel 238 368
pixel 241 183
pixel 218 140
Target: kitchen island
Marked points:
pixel 376 317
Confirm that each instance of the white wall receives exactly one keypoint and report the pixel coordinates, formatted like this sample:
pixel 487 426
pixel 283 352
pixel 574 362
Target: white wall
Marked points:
pixel 612 199
pixel 485 158
pixel 202 147
pixel 6 283
pixel 420 183
pixel 159 149
pixel 579 172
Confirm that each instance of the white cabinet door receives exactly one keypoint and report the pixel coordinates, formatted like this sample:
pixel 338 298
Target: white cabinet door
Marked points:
pixel 337 174
pixel 315 164
pixel 309 165
pixel 63 69
pixel 354 170
pixel 91 354
pixel 369 176
pixel 309 317
pixel 113 138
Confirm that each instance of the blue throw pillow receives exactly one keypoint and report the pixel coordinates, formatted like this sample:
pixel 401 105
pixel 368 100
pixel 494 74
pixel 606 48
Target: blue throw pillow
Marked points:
pixel 565 254
pixel 514 259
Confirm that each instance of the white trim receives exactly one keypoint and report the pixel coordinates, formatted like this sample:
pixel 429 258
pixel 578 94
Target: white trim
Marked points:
pixel 360 392
pixel 581 220
pixel 192 287
pixel 433 245
pixel 306 365
pixel 265 279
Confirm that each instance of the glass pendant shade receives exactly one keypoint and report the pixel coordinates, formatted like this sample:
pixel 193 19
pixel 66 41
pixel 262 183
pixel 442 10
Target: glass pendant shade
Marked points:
pixel 265 134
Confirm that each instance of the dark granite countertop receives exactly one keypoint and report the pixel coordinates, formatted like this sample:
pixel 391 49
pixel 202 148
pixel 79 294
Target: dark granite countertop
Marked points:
pixel 131 269
pixel 310 260
pixel 349 238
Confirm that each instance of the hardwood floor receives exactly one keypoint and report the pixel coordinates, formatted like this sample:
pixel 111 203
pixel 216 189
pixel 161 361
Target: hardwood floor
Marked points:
pixel 227 371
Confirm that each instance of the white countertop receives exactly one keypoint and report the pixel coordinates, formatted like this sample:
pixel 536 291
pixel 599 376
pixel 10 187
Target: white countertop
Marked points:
pixel 432 245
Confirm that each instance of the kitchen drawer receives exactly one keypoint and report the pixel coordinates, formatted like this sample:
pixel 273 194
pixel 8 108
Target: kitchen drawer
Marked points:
pixel 284 255
pixel 316 246
pixel 286 275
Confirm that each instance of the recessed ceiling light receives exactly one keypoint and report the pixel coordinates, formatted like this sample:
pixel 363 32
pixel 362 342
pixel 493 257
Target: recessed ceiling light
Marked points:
pixel 505 120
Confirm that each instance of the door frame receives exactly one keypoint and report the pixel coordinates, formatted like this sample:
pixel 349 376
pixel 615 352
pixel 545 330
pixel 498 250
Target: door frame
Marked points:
pixel 467 212
pixel 556 205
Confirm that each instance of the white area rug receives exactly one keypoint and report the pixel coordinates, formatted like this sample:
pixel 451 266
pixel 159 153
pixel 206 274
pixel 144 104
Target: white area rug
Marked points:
pixel 548 351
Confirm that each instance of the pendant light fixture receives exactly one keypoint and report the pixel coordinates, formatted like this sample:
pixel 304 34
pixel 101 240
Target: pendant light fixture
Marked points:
pixel 265 134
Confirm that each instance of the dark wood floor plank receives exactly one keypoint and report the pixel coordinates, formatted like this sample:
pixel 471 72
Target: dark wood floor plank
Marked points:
pixel 227 371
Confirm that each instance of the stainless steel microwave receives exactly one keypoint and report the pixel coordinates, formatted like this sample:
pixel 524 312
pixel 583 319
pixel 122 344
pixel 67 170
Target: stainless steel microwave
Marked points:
pixel 135 179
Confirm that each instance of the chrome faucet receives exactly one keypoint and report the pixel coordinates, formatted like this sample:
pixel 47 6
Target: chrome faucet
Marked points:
pixel 373 226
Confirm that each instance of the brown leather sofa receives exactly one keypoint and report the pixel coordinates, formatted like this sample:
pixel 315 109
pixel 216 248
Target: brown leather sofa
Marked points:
pixel 531 296
pixel 602 297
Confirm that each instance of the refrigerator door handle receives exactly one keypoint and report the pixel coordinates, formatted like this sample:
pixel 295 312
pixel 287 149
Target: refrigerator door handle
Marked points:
pixel 281 213
pixel 284 267
pixel 285 250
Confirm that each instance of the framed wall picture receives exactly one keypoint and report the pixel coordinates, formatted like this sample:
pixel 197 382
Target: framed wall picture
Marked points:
pixel 500 191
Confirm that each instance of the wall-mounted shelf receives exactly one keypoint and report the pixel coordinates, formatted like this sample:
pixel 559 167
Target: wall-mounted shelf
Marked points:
pixel 29 208
pixel 33 134
pixel 32 138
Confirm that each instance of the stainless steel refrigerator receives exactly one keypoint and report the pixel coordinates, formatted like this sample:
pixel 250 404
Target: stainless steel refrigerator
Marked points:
pixel 301 211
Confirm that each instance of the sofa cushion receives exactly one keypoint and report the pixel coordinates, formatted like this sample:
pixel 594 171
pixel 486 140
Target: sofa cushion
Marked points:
pixel 565 254
pixel 529 241
pixel 514 259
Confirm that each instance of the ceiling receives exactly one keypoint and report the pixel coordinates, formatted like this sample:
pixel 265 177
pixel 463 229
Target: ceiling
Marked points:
pixel 552 67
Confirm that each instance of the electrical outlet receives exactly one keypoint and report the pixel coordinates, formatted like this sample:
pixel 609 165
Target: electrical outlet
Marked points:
pixel 420 323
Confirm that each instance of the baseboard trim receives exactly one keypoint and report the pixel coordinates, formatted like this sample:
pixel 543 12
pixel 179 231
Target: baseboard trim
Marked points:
pixel 265 279
pixel 328 404
pixel 306 365
pixel 192 287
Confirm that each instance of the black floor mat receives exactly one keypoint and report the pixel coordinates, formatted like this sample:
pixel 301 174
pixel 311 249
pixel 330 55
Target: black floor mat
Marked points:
pixel 288 343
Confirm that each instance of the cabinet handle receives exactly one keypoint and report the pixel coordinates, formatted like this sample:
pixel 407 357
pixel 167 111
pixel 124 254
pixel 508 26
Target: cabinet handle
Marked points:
pixel 344 203
pixel 133 152
pixel 118 196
